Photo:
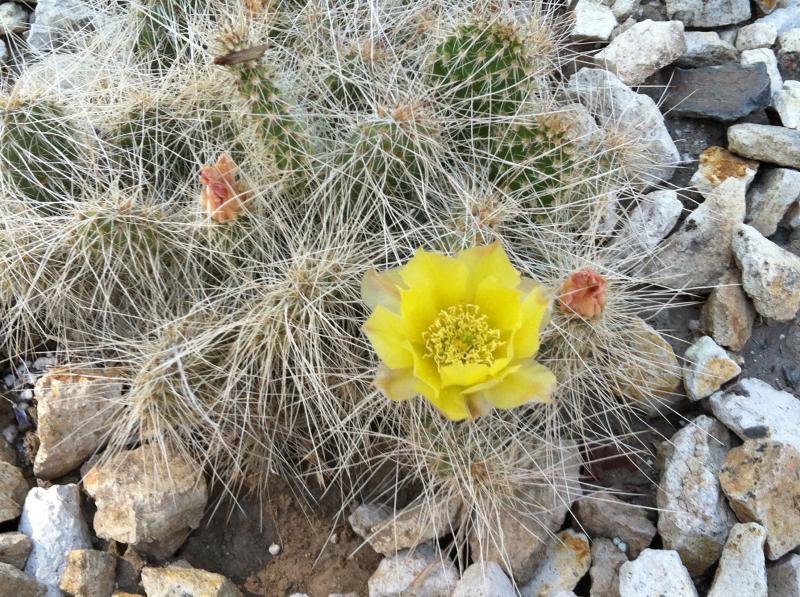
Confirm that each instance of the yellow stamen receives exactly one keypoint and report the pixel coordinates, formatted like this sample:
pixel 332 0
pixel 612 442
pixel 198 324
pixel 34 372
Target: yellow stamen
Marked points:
pixel 461 334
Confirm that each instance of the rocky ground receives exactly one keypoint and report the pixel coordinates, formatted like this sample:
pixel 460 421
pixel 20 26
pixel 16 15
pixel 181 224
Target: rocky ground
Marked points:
pixel 710 84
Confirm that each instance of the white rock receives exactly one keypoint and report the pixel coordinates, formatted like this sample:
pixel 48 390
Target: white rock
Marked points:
pixel 52 519
pixel 770 274
pixel 708 13
pixel 783 19
pixel 766 143
pixel 756 35
pixel 624 9
pixel 708 367
pixel 769 59
pixel 642 50
pixel 484 579
pixel 650 221
pixel 565 562
pixel 694 518
pixel 593 21
pixel 629 115
pixel 783 577
pixel 787 103
pixel 13 18
pixel 771 196
pixel 53 18
pixel 706 48
pixel 177 581
pixel 742 570
pixel 607 559
pixel 396 573
pixel 789 42
pixel 656 572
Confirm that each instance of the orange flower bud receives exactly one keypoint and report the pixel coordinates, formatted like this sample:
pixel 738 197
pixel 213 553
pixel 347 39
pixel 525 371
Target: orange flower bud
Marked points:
pixel 224 195
pixel 584 293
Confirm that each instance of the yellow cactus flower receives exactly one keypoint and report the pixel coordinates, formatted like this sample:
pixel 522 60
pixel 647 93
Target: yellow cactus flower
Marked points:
pixel 461 331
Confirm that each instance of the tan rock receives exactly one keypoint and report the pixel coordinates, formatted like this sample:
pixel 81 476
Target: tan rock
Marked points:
pixel 708 367
pixel 149 506
pixel 717 165
pixel 742 570
pixel 124 594
pixel 15 583
pixel 762 482
pixel 565 562
pixel 607 559
pixel 89 573
pixel 173 581
pixel 727 314
pixel 15 549
pixel 605 515
pixel 13 489
pixel 74 410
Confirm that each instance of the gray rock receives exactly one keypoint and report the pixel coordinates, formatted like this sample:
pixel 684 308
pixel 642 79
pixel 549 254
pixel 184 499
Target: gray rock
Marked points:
pixel 770 274
pixel 694 519
pixel 367 516
pixel 13 489
pixel 16 584
pixel 762 481
pixel 624 9
pixel 395 574
pixel 642 50
pixel 650 221
pixel 607 559
pixel 697 255
pixel 770 198
pixel 53 19
pixel 605 515
pixel 655 572
pixel 787 103
pixel 742 570
pixel 716 165
pixel 484 579
pixel 708 367
pixel 629 114
pixel 3 52
pixel 177 581
pixel 783 577
pixel 756 35
pixel 89 573
pixel 592 21
pixel 53 520
pixel 727 315
pixel 753 409
pixel 766 143
pixel 15 549
pixel 706 48
pixel 789 53
pixel 708 13
pixel 766 57
pixel 726 92
pixel 13 18
pixel 783 19
pixel 565 562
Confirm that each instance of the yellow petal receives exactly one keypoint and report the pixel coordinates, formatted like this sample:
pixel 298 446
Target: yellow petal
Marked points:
pixel 534 315
pixel 419 310
pixel 531 382
pixel 397 384
pixel 382 289
pixel 463 374
pixel 385 330
pixel 445 276
pixel 489 260
pixel 426 371
pixel 451 402
pixel 502 305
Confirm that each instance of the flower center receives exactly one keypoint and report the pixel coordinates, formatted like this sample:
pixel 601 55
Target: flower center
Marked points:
pixel 461 334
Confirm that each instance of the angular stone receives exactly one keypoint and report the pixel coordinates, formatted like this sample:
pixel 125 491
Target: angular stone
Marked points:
pixel 742 570
pixel 15 549
pixel 396 573
pixel 706 48
pixel 770 198
pixel 787 103
pixel 727 315
pixel 766 57
pixel 650 221
pixel 565 562
pixel 694 519
pixel 783 19
pixel 13 489
pixel 789 54
pixel 756 35
pixel 708 367
pixel 592 21
pixel 770 274
pixel 75 409
pixel 708 13
pixel 13 18
pixel 176 581
pixel 766 143
pixel 717 165
pixel 697 255
pixel 89 573
pixel 655 572
pixel 725 93
pixel 607 559
pixel 630 115
pixel 605 515
pixel 484 579
pixel 53 520
pixel 762 481
pixel 624 9
pixel 15 583
pixel 783 577
pixel 642 50
pixel 54 19
pixel 137 505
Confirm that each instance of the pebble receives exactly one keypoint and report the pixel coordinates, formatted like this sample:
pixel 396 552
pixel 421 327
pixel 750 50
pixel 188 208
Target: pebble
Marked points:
pixel 770 274
pixel 787 103
pixel 694 518
pixel 592 21
pixel 727 315
pixel 770 198
pixel 725 93
pixel 274 549
pixel 742 570
pixel 643 49
pixel 756 35
pixel 395 574
pixel 565 562
pixel 706 48
pixel 89 573
pixel 716 165
pixel 708 13
pixel 13 489
pixel 15 548
pixel 13 18
pixel 766 143
pixel 15 583
pixel 53 520
pixel 766 57
pixel 53 19
pixel 142 504
pixel 762 482
pixel 607 559
pixel 708 367
pixel 655 572
pixel 604 515
pixel 484 579
pixel 173 581
pixel 650 222
pixel 75 410
pixel 783 577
